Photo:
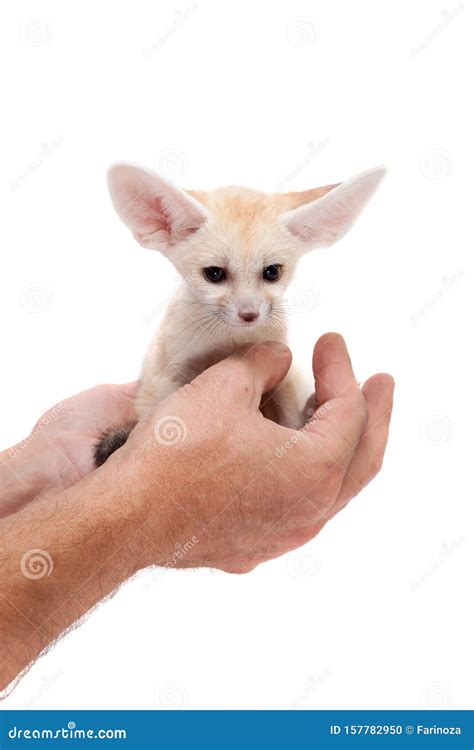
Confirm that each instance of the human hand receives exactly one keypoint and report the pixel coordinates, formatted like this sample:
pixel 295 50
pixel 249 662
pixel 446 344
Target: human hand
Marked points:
pixel 206 481
pixel 58 452
pixel 77 423
pixel 219 485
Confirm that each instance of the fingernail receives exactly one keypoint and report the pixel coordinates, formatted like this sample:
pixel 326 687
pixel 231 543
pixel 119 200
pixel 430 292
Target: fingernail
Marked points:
pixel 277 346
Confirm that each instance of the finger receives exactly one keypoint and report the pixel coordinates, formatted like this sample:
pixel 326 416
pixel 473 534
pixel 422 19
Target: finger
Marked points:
pixel 342 411
pixel 113 402
pixel 249 373
pixel 368 458
pixel 332 368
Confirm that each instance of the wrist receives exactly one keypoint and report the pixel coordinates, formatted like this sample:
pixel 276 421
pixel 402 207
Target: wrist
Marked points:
pixel 160 492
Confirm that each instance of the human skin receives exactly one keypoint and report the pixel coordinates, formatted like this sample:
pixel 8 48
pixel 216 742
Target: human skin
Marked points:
pixel 57 453
pixel 226 489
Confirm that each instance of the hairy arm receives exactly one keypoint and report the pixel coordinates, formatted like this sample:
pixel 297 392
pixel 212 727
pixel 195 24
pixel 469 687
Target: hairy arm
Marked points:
pixel 59 557
pixel 226 487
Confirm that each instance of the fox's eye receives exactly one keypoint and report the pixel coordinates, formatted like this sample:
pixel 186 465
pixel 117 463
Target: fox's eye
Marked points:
pixel 215 274
pixel 272 273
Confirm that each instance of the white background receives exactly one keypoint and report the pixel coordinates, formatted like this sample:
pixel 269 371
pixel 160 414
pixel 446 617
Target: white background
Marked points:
pixel 275 95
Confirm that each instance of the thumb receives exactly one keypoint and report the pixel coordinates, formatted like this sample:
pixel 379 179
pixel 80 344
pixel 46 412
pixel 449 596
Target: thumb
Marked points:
pixel 248 373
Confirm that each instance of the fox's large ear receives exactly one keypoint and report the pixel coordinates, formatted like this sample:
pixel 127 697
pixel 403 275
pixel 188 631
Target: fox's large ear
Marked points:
pixel 325 220
pixel 158 213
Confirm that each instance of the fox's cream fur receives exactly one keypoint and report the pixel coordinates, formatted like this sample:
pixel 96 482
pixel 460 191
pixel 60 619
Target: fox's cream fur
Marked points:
pixel 243 232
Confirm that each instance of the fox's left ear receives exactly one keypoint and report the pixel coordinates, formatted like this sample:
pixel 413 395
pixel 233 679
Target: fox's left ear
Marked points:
pixel 326 219
pixel 158 213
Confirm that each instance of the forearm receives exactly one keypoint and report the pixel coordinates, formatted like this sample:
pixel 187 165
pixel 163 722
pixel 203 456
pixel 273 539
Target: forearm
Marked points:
pixel 60 557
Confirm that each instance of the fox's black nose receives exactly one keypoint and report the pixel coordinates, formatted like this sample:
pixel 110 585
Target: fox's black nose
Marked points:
pixel 248 317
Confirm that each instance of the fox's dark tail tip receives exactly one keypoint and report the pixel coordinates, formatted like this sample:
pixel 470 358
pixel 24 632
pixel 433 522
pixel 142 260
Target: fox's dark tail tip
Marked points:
pixel 110 441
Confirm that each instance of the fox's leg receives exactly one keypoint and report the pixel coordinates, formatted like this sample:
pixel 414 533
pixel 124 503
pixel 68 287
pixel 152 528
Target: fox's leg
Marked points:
pixel 150 391
pixel 288 404
pixel 282 404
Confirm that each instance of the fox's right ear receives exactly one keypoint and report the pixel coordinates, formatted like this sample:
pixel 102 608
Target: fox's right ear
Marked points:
pixel 326 219
pixel 158 213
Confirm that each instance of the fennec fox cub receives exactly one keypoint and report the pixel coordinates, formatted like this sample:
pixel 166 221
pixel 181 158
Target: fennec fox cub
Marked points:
pixel 236 250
